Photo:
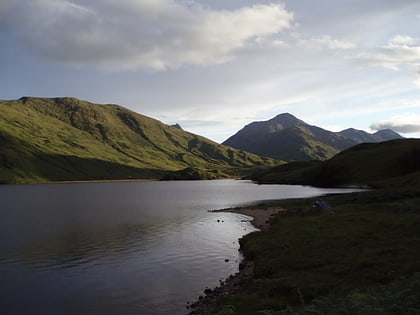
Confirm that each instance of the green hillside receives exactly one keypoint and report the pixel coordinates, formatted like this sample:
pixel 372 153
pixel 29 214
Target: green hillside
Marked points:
pixel 390 163
pixel 63 139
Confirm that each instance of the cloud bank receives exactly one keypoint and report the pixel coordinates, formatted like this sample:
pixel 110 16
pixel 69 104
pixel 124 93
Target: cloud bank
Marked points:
pixel 131 34
pixel 402 124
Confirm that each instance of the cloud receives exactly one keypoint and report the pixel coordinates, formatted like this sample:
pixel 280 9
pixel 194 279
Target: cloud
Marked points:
pixel 404 40
pixel 400 51
pixel 130 34
pixel 402 124
pixel 326 42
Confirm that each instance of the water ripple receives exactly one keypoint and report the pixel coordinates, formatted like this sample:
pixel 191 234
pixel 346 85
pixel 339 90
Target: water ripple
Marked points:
pixel 126 248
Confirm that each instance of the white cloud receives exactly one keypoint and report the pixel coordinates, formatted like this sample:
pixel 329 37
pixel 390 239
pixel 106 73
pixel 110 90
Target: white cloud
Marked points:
pixel 400 51
pixel 409 123
pixel 404 40
pixel 132 34
pixel 326 42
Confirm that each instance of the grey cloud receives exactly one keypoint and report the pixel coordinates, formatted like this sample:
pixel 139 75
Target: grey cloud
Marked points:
pixel 398 127
pixel 131 34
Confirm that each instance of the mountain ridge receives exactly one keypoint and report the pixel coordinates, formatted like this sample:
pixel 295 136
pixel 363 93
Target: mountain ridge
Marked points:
pixel 61 139
pixel 288 138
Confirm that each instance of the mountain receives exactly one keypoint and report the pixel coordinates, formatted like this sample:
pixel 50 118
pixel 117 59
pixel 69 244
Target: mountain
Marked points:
pixel 360 136
pixel 288 138
pixel 63 139
pixel 384 164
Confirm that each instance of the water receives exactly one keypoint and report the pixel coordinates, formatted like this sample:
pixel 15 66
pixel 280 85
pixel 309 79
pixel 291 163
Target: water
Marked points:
pixel 121 248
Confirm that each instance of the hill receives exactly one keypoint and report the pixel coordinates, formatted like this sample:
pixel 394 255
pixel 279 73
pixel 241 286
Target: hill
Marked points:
pixel 392 163
pixel 64 139
pixel 288 138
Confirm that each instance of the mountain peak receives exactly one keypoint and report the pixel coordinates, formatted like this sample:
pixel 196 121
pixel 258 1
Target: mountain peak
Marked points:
pixel 289 138
pixel 286 120
pixel 285 116
pixel 387 134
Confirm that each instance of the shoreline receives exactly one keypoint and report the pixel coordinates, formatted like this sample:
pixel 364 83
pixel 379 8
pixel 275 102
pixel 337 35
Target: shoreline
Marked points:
pixel 260 217
pixel 206 303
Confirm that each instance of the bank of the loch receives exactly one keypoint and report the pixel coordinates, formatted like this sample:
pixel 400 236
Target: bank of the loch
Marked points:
pixel 360 253
pixel 208 301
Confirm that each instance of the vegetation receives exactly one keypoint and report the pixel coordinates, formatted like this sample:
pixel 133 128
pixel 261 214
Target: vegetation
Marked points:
pixel 359 256
pixel 400 297
pixel 393 163
pixel 63 139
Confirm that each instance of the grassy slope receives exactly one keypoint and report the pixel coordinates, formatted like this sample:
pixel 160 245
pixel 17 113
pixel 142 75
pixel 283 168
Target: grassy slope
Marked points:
pixel 68 139
pixel 391 163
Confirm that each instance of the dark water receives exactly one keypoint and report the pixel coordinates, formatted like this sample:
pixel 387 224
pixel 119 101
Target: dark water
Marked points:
pixel 121 248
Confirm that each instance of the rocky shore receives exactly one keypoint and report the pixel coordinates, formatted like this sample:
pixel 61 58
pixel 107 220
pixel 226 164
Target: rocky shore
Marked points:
pixel 206 302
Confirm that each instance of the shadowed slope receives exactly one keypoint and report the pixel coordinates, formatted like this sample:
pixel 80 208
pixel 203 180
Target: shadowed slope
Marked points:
pixel 390 163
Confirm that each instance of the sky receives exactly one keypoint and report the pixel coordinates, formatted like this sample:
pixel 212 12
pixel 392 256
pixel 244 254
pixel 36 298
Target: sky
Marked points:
pixel 215 66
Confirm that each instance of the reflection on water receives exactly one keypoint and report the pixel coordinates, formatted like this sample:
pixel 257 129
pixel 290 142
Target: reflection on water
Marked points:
pixel 126 248
pixel 76 248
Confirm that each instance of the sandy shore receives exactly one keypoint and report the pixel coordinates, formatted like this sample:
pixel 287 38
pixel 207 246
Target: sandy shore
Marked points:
pixel 260 217
pixel 206 302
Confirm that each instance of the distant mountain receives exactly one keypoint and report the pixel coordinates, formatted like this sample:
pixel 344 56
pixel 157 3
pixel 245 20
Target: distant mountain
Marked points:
pixel 64 139
pixel 360 136
pixel 393 163
pixel 286 137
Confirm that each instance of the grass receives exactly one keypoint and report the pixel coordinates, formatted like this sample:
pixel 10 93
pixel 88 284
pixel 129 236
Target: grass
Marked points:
pixel 399 297
pixel 69 139
pixel 357 250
